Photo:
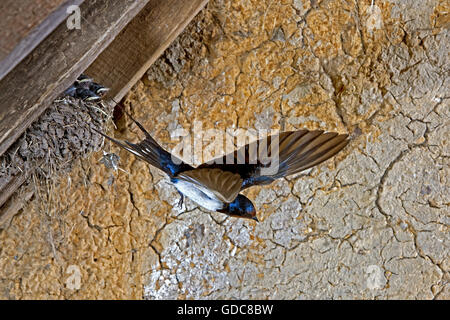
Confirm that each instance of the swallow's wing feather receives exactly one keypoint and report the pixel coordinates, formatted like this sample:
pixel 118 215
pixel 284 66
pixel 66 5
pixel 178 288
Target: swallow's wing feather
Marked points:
pixel 284 154
pixel 302 150
pixel 224 185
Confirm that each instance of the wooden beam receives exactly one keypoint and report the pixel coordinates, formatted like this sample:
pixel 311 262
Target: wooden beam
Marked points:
pixel 25 24
pixel 13 207
pixel 135 49
pixel 7 190
pixel 31 87
pixel 55 63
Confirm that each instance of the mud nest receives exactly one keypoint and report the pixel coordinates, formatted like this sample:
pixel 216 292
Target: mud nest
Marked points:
pixel 62 134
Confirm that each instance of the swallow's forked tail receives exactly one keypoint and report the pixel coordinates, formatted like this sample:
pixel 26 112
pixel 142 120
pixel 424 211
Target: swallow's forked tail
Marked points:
pixel 150 151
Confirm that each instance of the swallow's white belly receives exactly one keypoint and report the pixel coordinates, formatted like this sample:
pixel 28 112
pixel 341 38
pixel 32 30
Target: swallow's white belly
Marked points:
pixel 201 196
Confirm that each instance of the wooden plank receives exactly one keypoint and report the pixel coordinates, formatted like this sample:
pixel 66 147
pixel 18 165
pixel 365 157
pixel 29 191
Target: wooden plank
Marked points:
pixel 24 24
pixel 54 64
pixel 13 207
pixel 18 18
pixel 7 191
pixel 132 53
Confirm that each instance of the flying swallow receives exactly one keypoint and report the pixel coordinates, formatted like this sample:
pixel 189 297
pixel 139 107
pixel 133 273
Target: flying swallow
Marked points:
pixel 215 185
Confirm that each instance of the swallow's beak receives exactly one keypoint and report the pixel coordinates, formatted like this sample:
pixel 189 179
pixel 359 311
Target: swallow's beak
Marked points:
pixel 255 218
pixel 101 90
pixel 93 98
pixel 83 79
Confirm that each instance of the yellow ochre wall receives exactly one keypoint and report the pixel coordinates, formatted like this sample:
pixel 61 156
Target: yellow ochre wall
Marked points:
pixel 370 223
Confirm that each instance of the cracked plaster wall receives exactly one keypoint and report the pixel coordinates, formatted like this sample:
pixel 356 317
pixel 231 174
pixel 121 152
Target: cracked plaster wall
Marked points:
pixel 371 223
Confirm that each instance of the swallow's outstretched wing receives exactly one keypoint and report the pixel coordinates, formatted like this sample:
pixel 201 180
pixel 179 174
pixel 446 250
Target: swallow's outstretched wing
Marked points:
pixel 223 185
pixel 150 151
pixel 265 160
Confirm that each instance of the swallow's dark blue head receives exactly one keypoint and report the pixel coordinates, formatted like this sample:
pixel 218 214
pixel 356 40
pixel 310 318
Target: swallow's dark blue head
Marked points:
pixel 241 207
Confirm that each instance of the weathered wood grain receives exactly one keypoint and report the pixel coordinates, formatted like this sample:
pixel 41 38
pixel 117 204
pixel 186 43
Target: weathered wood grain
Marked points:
pixel 13 207
pixel 54 64
pixel 16 181
pixel 24 24
pixel 134 50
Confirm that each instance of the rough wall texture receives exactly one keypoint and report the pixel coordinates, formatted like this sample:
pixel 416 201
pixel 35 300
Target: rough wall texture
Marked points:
pixel 371 223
